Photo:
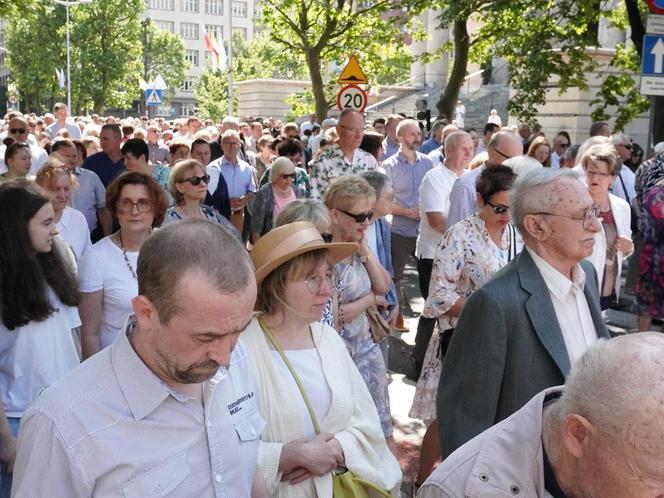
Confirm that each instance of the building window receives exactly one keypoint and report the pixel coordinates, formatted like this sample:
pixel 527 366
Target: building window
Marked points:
pixel 192 57
pixel 214 7
pixel 189 30
pixel 241 31
pixel 188 85
pixel 165 25
pixel 189 5
pixel 161 4
pixel 216 30
pixel 239 9
pixel 188 109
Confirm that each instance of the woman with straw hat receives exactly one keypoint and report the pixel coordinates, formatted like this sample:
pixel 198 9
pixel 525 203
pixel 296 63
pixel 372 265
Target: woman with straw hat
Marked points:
pixel 320 414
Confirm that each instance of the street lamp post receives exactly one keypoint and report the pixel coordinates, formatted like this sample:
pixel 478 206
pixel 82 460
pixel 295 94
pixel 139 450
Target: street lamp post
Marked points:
pixel 67 5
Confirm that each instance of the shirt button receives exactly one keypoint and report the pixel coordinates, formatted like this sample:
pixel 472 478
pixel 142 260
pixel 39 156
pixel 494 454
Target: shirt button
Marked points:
pixel 217 478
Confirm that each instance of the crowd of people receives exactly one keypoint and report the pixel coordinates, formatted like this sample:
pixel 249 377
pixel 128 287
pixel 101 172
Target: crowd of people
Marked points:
pixel 202 309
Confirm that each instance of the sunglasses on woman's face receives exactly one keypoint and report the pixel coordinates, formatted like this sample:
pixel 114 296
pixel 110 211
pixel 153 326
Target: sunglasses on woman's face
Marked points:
pixel 288 177
pixel 196 180
pixel 498 208
pixel 359 217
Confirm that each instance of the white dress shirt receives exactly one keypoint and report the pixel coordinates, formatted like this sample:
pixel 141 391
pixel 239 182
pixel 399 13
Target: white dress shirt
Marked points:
pixel 570 305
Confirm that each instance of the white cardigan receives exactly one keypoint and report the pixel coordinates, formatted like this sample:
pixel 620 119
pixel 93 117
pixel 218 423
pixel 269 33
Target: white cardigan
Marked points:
pixel 352 416
pixel 623 218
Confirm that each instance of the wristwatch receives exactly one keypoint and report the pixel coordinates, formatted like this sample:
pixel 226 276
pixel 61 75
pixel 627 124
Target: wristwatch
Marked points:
pixel 364 259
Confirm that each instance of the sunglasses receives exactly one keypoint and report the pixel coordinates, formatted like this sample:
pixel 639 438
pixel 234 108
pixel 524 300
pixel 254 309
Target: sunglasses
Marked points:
pixel 196 180
pixel 327 237
pixel 17 131
pixel 290 176
pixel 360 217
pixel 627 146
pixel 498 208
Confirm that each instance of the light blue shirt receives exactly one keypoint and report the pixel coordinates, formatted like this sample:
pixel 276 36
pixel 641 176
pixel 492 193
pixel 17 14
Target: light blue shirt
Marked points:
pixel 112 428
pixel 239 178
pixel 463 198
pixel 406 179
pixel 390 148
pixel 89 196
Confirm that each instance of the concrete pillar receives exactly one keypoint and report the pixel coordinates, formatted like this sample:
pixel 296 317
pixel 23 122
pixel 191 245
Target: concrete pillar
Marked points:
pixel 608 36
pixel 417 76
pixel 436 71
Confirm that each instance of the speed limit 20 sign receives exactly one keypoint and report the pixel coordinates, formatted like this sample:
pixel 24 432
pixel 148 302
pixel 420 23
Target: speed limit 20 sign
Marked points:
pixel 352 97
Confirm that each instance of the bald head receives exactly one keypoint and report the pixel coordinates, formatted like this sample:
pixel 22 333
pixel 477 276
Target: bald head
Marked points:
pixel 503 145
pixel 459 150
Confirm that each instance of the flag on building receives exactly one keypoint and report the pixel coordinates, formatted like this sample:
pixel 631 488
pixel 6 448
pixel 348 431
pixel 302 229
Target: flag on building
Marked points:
pixel 217 52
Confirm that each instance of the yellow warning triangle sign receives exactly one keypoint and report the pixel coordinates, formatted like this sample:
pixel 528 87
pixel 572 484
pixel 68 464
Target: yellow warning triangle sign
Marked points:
pixel 352 73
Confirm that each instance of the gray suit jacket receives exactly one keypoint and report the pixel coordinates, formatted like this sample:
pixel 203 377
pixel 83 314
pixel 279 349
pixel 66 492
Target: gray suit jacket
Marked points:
pixel 507 347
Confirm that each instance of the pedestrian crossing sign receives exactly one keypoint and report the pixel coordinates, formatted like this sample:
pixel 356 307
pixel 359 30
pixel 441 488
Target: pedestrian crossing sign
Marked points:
pixel 153 97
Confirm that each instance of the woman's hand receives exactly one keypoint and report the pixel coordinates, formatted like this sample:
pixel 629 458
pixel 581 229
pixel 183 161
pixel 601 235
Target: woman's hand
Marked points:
pixel 623 244
pixel 381 302
pixel 306 457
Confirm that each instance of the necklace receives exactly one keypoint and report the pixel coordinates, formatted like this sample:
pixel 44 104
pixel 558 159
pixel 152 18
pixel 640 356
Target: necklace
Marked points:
pixel 124 254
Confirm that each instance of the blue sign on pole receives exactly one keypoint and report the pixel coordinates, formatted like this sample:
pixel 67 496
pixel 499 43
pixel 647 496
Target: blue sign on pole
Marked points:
pixel 652 63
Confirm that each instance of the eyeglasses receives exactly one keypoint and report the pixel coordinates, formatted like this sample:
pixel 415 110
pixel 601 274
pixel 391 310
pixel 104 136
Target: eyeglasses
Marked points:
pixel 597 173
pixel 315 282
pixel 196 180
pixel 502 154
pixel 290 176
pixel 234 144
pixel 498 208
pixel 564 145
pixel 17 131
pixel 627 146
pixel 360 217
pixel 126 205
pixel 591 214
pixel 327 237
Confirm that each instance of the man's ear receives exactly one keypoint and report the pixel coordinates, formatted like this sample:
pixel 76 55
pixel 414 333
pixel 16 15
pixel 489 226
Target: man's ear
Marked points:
pixel 144 311
pixel 577 432
pixel 536 227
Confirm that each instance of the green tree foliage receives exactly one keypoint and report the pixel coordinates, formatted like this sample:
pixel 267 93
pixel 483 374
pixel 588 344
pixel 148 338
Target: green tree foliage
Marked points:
pixel 322 32
pixel 542 41
pixel 211 94
pixel 164 55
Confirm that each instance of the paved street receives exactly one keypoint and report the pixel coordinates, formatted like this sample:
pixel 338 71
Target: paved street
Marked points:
pixel 408 431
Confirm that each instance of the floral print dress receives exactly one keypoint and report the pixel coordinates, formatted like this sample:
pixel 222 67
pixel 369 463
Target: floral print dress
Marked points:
pixel 650 286
pixel 353 282
pixel 466 258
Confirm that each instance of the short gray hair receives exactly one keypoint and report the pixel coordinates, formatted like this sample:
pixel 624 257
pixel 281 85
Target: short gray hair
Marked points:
pixel 522 165
pixel 190 245
pixel 455 137
pixel 304 210
pixel 617 138
pixel 377 180
pixel 406 122
pixel 596 140
pixel 279 165
pixel 526 197
pixel 610 384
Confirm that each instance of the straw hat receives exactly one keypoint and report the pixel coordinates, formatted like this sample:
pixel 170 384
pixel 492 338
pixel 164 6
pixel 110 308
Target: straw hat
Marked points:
pixel 288 241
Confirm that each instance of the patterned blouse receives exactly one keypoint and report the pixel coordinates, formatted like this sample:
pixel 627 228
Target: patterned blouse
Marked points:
pixel 466 258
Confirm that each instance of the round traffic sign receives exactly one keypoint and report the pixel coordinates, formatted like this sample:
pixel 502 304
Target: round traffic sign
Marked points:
pixel 656 6
pixel 352 97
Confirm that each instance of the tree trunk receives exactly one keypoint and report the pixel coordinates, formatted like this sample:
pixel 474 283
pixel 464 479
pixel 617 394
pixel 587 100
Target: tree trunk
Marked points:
pixel 317 86
pixel 449 97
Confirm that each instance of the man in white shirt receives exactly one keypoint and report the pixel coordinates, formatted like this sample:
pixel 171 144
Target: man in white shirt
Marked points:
pixel 434 203
pixel 171 406
pixel 61 113
pixel 520 332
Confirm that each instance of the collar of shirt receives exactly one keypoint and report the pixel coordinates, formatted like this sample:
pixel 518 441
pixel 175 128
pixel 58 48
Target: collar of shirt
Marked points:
pixel 402 159
pixel 142 389
pixel 557 283
pixel 77 170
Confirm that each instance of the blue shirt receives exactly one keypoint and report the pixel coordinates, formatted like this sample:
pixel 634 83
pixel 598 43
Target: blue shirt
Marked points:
pixel 105 168
pixel 429 145
pixel 89 196
pixel 406 179
pixel 390 148
pixel 463 197
pixel 239 179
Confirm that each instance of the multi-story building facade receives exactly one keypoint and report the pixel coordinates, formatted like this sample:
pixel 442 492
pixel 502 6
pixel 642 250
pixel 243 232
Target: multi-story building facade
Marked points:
pixel 191 19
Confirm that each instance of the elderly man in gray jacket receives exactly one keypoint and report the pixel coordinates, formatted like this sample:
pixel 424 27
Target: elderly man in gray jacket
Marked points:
pixel 601 435
pixel 520 332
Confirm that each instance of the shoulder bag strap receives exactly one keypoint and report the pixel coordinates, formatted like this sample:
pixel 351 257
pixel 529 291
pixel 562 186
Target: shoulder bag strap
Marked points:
pixel 272 340
pixel 622 182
